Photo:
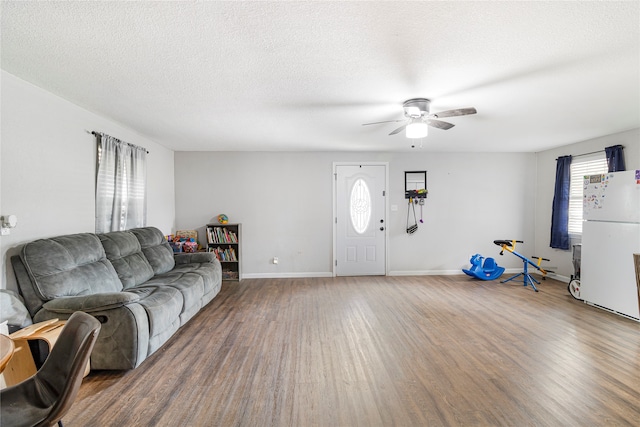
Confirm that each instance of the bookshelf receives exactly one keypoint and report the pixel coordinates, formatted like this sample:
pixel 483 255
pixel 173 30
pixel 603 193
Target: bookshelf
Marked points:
pixel 224 241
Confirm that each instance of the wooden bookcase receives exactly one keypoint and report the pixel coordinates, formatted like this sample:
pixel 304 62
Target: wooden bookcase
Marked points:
pixel 225 241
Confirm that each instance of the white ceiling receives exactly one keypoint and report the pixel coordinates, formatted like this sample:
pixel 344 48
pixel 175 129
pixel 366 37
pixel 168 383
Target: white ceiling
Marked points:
pixel 276 75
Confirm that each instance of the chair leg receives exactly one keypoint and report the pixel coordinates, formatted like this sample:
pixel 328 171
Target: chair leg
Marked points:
pixel 60 423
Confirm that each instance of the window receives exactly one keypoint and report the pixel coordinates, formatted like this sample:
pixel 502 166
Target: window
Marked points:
pixel 360 206
pixel 120 185
pixel 592 165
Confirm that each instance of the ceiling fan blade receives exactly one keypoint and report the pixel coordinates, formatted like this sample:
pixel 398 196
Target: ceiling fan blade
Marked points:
pixel 400 129
pixel 388 121
pixel 440 124
pixel 454 113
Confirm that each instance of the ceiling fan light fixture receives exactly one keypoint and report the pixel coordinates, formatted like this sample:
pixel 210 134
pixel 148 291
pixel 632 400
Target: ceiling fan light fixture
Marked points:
pixel 418 118
pixel 417 129
pixel 412 111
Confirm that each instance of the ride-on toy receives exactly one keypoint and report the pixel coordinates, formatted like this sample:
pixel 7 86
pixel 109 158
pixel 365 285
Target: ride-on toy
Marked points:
pixel 487 270
pixel 527 279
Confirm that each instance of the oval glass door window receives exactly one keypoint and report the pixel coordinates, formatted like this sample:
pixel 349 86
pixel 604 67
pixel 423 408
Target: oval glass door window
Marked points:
pixel 360 206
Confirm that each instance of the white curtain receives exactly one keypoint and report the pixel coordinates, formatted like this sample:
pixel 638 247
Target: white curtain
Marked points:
pixel 121 201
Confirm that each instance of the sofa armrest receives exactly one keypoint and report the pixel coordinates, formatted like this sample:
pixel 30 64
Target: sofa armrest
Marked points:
pixel 91 303
pixel 193 257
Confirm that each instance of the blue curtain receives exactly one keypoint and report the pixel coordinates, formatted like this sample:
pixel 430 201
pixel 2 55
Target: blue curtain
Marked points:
pixel 615 158
pixel 560 208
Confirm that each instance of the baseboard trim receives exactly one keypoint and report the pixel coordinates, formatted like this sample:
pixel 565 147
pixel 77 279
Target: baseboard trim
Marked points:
pixel 285 275
pixel 442 272
pixel 559 277
pixel 303 275
pixel 425 273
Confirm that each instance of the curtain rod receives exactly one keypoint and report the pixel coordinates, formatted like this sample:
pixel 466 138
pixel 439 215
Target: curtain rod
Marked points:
pixel 100 134
pixel 586 154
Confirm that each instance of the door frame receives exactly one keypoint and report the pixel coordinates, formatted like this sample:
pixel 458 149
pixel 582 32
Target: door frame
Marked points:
pixel 334 219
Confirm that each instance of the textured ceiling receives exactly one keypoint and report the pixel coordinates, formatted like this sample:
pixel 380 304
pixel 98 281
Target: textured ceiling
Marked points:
pixel 305 75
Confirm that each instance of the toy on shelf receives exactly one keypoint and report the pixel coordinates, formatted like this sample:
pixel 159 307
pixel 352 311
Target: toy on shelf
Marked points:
pixel 184 241
pixel 527 279
pixel 223 219
pixel 487 270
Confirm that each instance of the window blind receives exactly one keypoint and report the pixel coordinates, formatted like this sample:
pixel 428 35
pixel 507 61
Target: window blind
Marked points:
pixel 592 165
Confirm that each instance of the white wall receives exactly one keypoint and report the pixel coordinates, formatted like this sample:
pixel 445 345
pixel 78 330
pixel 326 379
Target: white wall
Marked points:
pixel 48 167
pixel 546 166
pixel 284 201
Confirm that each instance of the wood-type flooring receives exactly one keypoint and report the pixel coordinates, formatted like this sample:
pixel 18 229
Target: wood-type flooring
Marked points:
pixel 381 351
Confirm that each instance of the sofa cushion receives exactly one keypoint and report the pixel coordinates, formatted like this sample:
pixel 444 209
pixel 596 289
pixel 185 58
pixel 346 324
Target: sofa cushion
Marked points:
pixel 69 265
pixel 190 285
pixel 155 248
pixel 163 305
pixel 124 251
pixel 211 273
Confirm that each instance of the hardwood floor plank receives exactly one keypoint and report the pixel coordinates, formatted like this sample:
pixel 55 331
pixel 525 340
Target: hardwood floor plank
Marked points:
pixel 381 351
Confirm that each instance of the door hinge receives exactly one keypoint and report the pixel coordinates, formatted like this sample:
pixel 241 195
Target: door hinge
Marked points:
pixel 336 220
pixel 335 176
pixel 336 263
pixel 383 193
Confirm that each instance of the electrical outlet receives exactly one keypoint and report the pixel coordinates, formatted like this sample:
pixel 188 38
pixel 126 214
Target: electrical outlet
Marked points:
pixel 275 259
pixel 6 231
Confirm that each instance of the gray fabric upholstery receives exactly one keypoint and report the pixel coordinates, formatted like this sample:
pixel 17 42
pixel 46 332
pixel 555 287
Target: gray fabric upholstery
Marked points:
pixel 127 279
pixel 211 273
pixel 204 264
pixel 124 337
pixel 194 258
pixel 68 266
pixel 190 286
pixel 156 248
pixel 89 303
pixel 32 301
pixel 163 305
pixel 123 250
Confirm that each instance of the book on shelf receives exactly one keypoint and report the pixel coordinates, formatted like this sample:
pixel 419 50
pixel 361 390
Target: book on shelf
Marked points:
pixel 225 254
pixel 223 241
pixel 221 235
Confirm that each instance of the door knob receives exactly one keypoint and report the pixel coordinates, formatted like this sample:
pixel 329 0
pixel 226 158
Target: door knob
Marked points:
pixel 381 228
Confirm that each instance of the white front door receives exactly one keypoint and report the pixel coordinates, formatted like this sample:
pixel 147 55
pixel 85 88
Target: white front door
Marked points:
pixel 360 220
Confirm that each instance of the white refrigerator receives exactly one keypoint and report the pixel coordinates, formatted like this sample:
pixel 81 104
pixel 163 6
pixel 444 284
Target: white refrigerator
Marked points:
pixel 610 237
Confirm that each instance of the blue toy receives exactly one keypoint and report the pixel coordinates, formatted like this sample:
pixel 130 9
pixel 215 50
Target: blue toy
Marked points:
pixel 527 279
pixel 488 270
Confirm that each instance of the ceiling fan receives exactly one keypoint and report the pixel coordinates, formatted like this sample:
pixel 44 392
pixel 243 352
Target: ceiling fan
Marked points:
pixel 418 118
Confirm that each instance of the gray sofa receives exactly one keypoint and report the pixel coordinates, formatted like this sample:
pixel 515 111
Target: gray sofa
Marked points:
pixel 129 280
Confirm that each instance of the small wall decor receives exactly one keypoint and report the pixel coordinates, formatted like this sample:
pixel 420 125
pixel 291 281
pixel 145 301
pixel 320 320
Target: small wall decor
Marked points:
pixel 415 185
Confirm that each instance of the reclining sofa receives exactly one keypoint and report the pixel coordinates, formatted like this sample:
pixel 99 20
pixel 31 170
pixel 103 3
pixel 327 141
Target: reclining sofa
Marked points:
pixel 131 281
